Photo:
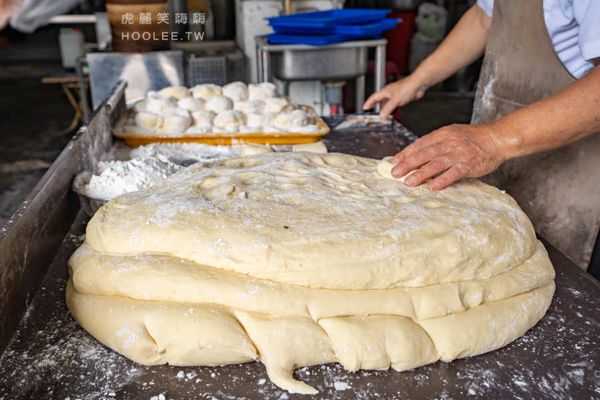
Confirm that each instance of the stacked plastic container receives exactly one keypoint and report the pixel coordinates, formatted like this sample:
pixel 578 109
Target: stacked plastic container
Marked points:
pixel 330 26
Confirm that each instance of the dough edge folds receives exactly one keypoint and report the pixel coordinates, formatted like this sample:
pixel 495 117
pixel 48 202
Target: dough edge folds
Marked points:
pixel 153 333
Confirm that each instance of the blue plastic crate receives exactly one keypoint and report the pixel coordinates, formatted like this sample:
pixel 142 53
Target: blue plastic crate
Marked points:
pixel 371 30
pixel 342 33
pixel 323 22
pixel 312 40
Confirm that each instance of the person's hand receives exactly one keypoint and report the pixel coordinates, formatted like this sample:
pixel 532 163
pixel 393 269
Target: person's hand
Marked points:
pixel 396 95
pixel 448 155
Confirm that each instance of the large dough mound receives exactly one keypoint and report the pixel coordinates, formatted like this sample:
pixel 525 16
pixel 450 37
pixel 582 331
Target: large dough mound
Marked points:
pixel 299 259
pixel 319 220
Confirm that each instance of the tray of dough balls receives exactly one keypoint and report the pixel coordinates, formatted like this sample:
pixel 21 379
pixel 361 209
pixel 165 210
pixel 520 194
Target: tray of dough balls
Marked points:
pixel 211 114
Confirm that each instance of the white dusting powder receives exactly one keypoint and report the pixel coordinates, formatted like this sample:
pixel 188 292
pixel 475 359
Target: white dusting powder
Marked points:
pixel 115 178
pixel 186 153
pixel 153 163
pixel 341 386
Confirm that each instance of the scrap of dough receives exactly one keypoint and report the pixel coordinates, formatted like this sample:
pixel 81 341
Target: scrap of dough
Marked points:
pixel 385 166
pixel 270 257
pixel 316 147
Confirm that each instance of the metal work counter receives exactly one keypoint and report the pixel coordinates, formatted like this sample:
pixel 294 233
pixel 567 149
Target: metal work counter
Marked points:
pixel 50 357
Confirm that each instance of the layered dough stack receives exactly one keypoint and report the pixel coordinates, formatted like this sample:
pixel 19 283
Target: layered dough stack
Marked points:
pixel 297 259
pixel 234 108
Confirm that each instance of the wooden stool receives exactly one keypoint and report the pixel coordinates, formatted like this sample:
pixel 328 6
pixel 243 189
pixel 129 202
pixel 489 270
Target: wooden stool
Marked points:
pixel 71 88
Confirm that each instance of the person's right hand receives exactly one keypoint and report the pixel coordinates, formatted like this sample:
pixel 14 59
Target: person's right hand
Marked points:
pixel 396 95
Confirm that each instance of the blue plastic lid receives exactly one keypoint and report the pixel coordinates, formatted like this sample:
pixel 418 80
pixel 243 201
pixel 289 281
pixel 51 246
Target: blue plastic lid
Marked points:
pixel 355 31
pixel 276 38
pixel 328 18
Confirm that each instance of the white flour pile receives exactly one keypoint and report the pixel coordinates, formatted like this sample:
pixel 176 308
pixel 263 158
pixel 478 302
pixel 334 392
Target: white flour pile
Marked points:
pixel 187 153
pixel 151 164
pixel 114 178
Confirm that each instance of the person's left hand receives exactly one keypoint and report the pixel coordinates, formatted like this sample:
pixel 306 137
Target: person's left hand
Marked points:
pixel 448 155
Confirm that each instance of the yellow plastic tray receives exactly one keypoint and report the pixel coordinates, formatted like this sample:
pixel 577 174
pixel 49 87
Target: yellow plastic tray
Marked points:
pixel 139 138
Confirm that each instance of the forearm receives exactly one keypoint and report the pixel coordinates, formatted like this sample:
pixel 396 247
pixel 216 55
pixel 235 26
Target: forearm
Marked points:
pixel 558 120
pixel 463 45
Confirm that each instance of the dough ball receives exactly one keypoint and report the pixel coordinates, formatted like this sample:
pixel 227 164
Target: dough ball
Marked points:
pixel 262 91
pixel 191 104
pixel 291 119
pixel 140 106
pixel 250 106
pixel 219 104
pixel 206 91
pixel 310 112
pixel 177 122
pixel 255 120
pixel 178 92
pixel 236 91
pixel 147 120
pixel 311 128
pixel 230 120
pixel 385 166
pixel 158 104
pixel 275 104
pixel 203 118
pixel 197 130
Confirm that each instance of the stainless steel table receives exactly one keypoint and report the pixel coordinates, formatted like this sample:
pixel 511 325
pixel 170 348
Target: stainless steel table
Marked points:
pixel 50 357
pixel 338 61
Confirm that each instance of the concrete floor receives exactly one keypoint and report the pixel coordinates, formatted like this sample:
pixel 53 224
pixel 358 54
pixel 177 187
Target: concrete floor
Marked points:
pixel 33 118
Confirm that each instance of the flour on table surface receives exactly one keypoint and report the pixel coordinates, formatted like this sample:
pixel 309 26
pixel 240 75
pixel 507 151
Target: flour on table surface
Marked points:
pixel 186 153
pixel 114 178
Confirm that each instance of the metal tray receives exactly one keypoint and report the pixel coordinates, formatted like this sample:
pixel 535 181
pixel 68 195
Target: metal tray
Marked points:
pixel 320 63
pixel 137 138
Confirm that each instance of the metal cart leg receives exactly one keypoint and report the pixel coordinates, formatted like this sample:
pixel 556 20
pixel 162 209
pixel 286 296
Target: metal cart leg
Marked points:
pixel 83 98
pixel 266 66
pixel 379 69
pixel 76 107
pixel 360 93
pixel 259 66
